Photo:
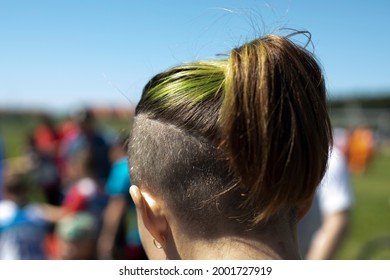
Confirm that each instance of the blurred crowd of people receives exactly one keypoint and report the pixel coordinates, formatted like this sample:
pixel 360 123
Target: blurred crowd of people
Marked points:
pixel 68 197
pixel 80 206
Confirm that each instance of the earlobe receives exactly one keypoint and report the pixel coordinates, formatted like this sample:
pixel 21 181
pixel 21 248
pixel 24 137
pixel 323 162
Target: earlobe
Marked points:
pixel 151 213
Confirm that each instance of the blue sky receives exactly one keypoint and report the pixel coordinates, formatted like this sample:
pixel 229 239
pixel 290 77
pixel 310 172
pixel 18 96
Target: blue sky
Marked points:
pixel 58 55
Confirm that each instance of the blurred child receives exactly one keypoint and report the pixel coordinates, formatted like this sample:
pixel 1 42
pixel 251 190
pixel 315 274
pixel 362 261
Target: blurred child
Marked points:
pixel 77 237
pixel 22 228
pixel 83 193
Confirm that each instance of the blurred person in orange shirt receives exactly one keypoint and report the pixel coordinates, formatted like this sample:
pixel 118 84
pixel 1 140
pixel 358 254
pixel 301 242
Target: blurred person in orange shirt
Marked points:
pixel 360 149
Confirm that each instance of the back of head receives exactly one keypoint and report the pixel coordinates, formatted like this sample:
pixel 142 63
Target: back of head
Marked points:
pixel 85 119
pixel 81 164
pixel 77 236
pixel 15 188
pixel 236 141
pixel 80 226
pixel 118 148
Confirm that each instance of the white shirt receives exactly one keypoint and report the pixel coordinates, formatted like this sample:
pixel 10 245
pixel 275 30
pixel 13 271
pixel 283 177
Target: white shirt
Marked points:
pixel 333 195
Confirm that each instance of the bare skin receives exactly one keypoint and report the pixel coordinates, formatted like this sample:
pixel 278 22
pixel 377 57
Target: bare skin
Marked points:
pixel 111 221
pixel 156 222
pixel 329 236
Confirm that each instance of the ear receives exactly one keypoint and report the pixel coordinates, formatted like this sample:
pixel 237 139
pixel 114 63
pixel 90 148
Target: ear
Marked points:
pixel 151 213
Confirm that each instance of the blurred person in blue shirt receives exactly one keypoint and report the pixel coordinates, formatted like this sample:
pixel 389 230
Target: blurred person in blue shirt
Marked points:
pixel 92 138
pixel 119 238
pixel 22 227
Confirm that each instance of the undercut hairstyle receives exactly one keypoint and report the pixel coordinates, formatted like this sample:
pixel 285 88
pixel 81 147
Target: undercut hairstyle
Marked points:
pixel 234 141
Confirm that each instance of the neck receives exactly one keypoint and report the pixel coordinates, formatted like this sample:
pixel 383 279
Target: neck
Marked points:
pixel 280 244
pixel 240 249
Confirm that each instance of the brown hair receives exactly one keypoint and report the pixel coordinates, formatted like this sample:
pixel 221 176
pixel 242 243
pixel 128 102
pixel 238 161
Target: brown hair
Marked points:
pixel 275 127
pixel 252 132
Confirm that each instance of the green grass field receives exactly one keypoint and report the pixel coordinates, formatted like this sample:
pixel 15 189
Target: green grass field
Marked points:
pixel 369 234
pixel 14 132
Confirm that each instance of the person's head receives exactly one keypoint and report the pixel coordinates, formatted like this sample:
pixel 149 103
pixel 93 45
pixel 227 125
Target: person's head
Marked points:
pixel 228 147
pixel 15 188
pixel 118 149
pixel 80 164
pixel 77 236
pixel 85 119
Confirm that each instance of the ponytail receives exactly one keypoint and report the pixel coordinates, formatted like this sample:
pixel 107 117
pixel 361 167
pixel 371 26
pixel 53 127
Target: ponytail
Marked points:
pixel 274 125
